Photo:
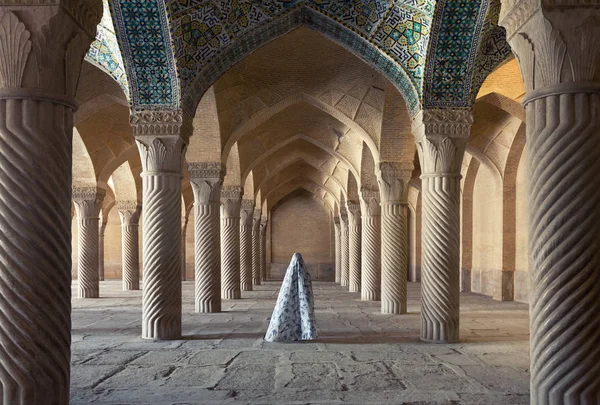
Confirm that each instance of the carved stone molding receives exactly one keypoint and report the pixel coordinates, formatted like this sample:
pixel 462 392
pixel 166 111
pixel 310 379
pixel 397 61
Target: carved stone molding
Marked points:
pixel 353 212
pixel 161 155
pixel 246 212
pixel 393 183
pixel 555 42
pixel 43 51
pixel 206 170
pixel 369 203
pixel 443 123
pixel 206 180
pixel 16 48
pixel 231 201
pixel 156 122
pixel 88 201
pixel 129 211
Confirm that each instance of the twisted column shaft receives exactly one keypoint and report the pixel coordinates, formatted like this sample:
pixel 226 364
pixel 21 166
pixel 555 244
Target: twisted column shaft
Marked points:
pixel 183 252
pixel 206 180
pixel 161 141
pixel 563 138
pixel 370 246
pixel 557 50
pixel 36 132
pixel 393 179
pixel 263 248
pixel 246 215
pixel 345 253
pixel 440 259
pixel 230 242
pixel 354 247
pixel 441 140
pixel 101 251
pixel 88 202
pixel 394 259
pixel 256 277
pixel 35 283
pixel 338 251
pixel 129 212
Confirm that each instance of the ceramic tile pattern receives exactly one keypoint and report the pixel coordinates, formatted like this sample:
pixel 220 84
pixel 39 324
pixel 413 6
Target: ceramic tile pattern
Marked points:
pixel 431 52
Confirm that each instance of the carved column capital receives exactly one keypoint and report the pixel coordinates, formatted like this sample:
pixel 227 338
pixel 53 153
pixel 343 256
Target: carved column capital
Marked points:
pixel 441 136
pixel 246 212
pixel 44 44
pixel 231 201
pixel 393 182
pixel 336 222
pixel 206 180
pixel 256 218
pixel 263 222
pixel 354 211
pixel 129 211
pixel 88 201
pixel 555 42
pixel 369 203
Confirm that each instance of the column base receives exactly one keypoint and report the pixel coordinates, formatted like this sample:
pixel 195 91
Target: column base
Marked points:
pixel 208 307
pixel 231 295
pixel 246 287
pixel 392 308
pixel 369 296
pixel 441 341
pixel 88 294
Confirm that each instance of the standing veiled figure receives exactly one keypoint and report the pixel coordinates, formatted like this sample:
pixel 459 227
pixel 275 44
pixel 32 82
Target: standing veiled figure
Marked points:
pixel 294 314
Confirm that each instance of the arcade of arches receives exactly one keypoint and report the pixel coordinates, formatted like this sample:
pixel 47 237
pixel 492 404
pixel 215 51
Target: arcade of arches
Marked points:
pixel 435 161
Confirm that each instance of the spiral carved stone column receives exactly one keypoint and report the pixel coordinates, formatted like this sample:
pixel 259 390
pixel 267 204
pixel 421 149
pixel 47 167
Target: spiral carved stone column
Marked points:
pixel 129 211
pixel 338 250
pixel 246 218
pixel 345 253
pixel 557 50
pixel 354 246
pixel 394 238
pixel 370 246
pixel 101 232
pixel 441 137
pixel 256 279
pixel 263 248
pixel 161 139
pixel 207 180
pixel 88 202
pixel 184 222
pixel 36 127
pixel 231 201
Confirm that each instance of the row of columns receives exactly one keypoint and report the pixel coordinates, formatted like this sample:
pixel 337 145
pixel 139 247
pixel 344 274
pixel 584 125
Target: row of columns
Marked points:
pixel 557 46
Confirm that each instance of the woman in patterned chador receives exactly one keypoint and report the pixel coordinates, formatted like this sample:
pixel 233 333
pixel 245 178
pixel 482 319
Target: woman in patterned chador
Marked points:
pixel 294 314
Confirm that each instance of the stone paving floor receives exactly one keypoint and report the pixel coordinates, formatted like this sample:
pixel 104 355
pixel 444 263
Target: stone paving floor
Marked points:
pixel 361 357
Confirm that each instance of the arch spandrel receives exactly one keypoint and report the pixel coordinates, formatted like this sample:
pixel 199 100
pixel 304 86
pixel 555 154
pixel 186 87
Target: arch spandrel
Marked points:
pixel 84 173
pixel 232 168
pixel 368 176
pixel 249 184
pixel 123 183
pixel 205 142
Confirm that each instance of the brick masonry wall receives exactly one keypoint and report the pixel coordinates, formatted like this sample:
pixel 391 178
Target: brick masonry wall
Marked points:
pixel 302 225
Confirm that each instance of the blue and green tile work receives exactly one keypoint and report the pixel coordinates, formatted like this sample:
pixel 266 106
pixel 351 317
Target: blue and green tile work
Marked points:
pixel 104 51
pixel 430 49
